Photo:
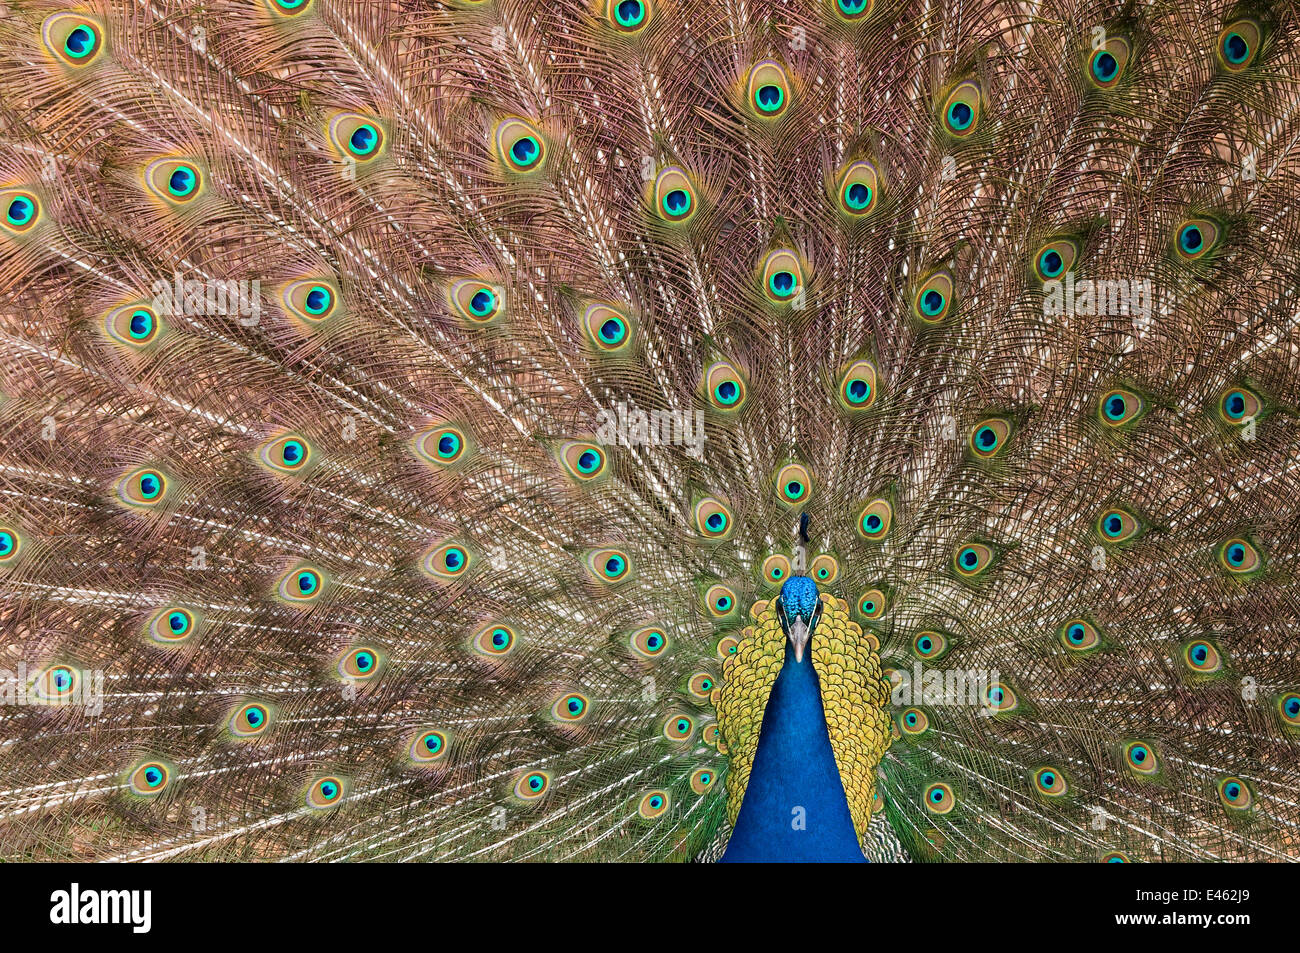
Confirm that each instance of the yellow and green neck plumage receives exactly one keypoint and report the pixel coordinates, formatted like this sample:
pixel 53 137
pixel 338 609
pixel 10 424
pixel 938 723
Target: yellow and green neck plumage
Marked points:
pixel 802 713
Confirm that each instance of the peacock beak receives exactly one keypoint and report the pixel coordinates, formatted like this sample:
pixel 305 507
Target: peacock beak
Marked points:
pixel 799 634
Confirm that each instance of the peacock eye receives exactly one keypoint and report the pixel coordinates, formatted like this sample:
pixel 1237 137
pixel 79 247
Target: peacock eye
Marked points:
pixel 448 561
pixel 583 461
pixel 609 565
pixel 476 301
pixel 1055 258
pixel 442 445
pixel 1238 405
pixel 571 707
pixel 10 542
pixel 532 785
pixel 288 7
pixel 301 585
pixel 608 328
pixel 653 805
pixel 142 489
pixel 776 569
pixel 1120 407
pixel 1050 781
pixel 494 640
pixel 989 437
pixel 1001 698
pixel 914 722
pixel 961 110
pixel 150 779
pixel 1288 707
pixel 793 484
pixel 857 389
pixel 325 793
pixel 628 16
pixel 859 185
pixel 359 664
pixel 782 276
pixel 972 559
pixel 769 90
pixel 172 625
pixel 249 720
pixel 678 728
pixel 1202 657
pixel 21 209
pixel 929 645
pixel 719 600
pixel 1234 794
pixel 1079 635
pixel 427 746
pixel 853 9
pixel 57 683
pixel 700 685
pixel 649 642
pixel 520 146
pixel 1239 556
pixel 825 568
pixel 134 325
pixel 1195 238
pixel 1239 44
pixel 675 198
pixel 872 604
pixel 701 780
pixel 356 137
pixel 875 519
pixel 724 387
pixel 178 181
pixel 933 299
pixel 939 798
pixel 310 300
pixel 287 454
pixel 73 38
pixel 712 518
pixel 1117 526
pixel 1141 758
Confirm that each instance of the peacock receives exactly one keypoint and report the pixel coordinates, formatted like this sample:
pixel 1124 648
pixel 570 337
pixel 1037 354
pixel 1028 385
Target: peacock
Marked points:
pixel 649 430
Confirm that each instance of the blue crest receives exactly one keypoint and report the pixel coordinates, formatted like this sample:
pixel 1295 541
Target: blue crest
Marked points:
pixel 799 596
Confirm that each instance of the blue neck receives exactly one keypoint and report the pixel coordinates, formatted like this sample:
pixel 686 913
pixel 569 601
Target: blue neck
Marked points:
pixel 794 768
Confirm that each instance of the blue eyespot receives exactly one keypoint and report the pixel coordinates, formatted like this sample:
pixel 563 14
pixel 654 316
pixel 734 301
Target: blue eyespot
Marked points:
pixel 363 139
pixel 182 181
pixel 960 115
pixel 525 151
pixel 769 98
pixel 781 283
pixel 1051 263
pixel 630 13
pixel 1235 48
pixel 318 299
pixel 677 202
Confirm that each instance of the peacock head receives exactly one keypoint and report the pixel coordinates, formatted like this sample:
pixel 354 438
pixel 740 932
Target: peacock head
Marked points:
pixel 799 608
